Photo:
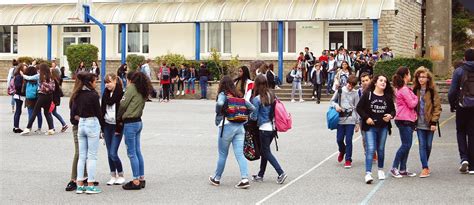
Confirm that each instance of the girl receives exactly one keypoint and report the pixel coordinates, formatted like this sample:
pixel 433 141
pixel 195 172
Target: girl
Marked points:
pixel 342 76
pixel 262 101
pixel 81 68
pixel 31 93
pixel 130 113
pixel 297 74
pixel 18 96
pixel 331 72
pixel 191 80
pixel 183 72
pixel 87 110
pixel 165 81
pixel 243 83
pixel 232 132
pixel 45 97
pixel 405 121
pixel 112 131
pixel 428 111
pixel 57 94
pixel 122 74
pixel 376 109
pixel 95 69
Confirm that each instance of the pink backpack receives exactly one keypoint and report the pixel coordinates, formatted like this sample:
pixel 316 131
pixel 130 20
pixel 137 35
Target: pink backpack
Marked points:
pixel 282 117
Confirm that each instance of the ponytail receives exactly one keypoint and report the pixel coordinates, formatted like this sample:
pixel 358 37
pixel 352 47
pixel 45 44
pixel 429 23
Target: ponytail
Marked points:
pixel 397 79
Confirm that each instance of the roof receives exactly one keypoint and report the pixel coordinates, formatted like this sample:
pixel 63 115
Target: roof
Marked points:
pixel 194 11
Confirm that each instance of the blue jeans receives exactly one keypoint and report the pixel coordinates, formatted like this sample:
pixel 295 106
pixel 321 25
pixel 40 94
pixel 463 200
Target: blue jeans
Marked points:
pixel 406 136
pixel 425 139
pixel 266 138
pixel 131 132
pixel 233 133
pixel 375 140
pixel 330 81
pixel 39 116
pixel 16 116
pixel 203 85
pixel 346 131
pixel 88 136
pixel 12 102
pixel 112 142
pixel 191 82
pixel 58 116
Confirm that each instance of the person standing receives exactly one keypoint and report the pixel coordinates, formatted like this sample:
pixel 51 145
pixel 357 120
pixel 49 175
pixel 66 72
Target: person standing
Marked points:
pixel 57 94
pixel 297 74
pixel 122 74
pixel 203 80
pixel 317 81
pixel 174 79
pixel 31 96
pixel 17 81
pixel 461 98
pixel 309 63
pixel 243 83
pixel 405 120
pixel 164 77
pixel 145 68
pixel 9 78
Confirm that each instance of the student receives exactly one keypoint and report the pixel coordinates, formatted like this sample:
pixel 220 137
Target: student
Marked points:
pixel 112 129
pixel 428 112
pixel 262 100
pixel 376 109
pixel 271 77
pixel 331 72
pixel 203 80
pixel 405 120
pixel 18 96
pixel 317 81
pixel 81 68
pixel 57 94
pixel 297 74
pixel 342 75
pixel 45 97
pixel 31 96
pixel 130 113
pixel 243 83
pixel 345 104
pixel 174 78
pixel 9 78
pixel 164 76
pixel 365 83
pixel 95 69
pixel 122 74
pixel 232 132
pixel 191 80
pixel 183 72
pixel 87 110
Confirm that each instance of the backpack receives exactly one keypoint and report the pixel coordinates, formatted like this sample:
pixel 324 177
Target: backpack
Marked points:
pixel 11 87
pixel 251 141
pixel 283 121
pixel 466 99
pixel 332 116
pixel 165 73
pixel 31 90
pixel 289 78
pixel 235 109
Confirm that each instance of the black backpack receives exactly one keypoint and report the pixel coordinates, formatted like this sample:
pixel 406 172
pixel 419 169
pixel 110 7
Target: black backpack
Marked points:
pixel 289 78
pixel 466 99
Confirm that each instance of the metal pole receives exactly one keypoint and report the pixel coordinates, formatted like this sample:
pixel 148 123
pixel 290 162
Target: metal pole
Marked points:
pixel 87 19
pixel 375 23
pixel 124 43
pixel 197 53
pixel 49 42
pixel 280 50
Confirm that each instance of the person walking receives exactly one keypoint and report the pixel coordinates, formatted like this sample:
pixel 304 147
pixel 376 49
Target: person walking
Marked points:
pixel 203 80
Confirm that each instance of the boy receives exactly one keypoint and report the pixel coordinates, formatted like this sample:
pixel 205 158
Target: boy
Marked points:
pixel 317 81
pixel 365 79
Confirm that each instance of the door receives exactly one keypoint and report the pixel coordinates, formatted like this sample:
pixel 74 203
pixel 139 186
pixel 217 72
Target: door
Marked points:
pixel 336 40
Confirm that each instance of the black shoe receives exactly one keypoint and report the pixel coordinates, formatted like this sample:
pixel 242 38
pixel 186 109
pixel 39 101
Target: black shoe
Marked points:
pixel 148 100
pixel 142 184
pixel 213 181
pixel 71 186
pixel 131 186
pixel 319 102
pixel 17 130
pixel 243 185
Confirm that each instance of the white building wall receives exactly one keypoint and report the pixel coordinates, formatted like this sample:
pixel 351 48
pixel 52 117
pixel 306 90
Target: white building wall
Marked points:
pixel 172 38
pixel 310 34
pixel 244 40
pixel 32 41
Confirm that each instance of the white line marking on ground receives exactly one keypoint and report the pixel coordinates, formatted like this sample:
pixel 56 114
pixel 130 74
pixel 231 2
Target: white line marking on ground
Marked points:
pixel 301 176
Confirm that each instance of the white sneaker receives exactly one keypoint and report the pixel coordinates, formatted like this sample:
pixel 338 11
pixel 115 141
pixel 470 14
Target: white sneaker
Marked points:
pixel 26 131
pixel 112 181
pixel 368 178
pixel 38 132
pixel 292 101
pixel 381 174
pixel 50 132
pixel 312 97
pixel 182 92
pixel 177 92
pixel 119 181
pixel 471 172
pixel 301 100
pixel 278 88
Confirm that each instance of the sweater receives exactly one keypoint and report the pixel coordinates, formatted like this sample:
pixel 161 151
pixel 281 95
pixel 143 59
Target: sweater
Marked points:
pixel 406 104
pixel 349 100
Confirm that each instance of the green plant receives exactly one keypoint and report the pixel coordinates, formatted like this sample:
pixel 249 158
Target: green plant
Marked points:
pixel 40 61
pixel 171 58
pixel 461 21
pixel 233 66
pixel 389 67
pixel 25 59
pixel 87 53
pixel 134 60
pixel 215 65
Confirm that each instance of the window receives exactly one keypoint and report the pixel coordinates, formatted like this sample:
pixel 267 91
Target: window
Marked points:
pixel 77 29
pixel 9 39
pixel 215 36
pixel 336 40
pixel 137 38
pixel 351 40
pixel 354 40
pixel 269 37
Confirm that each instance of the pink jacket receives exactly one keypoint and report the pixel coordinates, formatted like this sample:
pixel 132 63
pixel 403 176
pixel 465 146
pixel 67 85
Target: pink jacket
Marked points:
pixel 406 104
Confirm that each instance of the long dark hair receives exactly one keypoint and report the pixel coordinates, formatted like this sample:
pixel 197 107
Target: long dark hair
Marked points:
pixel 227 86
pixel 397 79
pixel 141 82
pixel 243 79
pixel 31 70
pixel 45 73
pixel 261 88
pixel 21 67
pixel 388 92
pixel 82 79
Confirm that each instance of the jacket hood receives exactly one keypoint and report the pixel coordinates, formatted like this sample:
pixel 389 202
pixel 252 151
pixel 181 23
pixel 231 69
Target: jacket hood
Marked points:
pixel 469 65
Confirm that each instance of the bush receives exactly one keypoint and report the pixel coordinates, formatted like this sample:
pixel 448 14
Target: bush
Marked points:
pixel 25 59
pixel 40 61
pixel 171 58
pixel 81 52
pixel 389 67
pixel 134 60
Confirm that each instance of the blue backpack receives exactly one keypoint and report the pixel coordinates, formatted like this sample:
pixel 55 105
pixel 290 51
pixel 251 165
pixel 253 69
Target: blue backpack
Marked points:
pixel 31 90
pixel 332 116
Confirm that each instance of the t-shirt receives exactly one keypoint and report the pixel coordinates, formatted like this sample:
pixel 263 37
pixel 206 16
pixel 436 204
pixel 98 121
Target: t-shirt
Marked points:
pixel 379 107
pixel 421 123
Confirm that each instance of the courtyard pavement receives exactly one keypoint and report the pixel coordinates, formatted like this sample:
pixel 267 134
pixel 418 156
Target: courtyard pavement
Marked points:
pixel 179 146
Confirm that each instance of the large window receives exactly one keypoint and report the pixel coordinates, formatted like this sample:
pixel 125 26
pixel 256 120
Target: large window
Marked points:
pixel 137 38
pixel 347 34
pixel 9 39
pixel 269 37
pixel 215 36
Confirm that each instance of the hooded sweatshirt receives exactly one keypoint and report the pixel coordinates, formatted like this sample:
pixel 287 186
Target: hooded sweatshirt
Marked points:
pixel 349 101
pixel 454 90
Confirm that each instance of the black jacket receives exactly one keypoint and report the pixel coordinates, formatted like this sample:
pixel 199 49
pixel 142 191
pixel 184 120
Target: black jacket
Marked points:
pixel 365 112
pixel 88 105
pixel 57 94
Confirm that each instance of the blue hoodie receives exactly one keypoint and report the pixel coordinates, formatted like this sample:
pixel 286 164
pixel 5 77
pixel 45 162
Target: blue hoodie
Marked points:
pixel 453 94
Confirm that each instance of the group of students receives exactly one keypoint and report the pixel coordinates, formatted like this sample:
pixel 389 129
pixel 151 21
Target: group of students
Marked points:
pixel 374 105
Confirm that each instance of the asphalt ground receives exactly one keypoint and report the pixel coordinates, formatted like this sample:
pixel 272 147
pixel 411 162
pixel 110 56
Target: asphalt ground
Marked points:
pixel 179 146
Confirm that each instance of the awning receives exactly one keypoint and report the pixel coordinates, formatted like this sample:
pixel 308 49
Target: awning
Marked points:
pixel 195 11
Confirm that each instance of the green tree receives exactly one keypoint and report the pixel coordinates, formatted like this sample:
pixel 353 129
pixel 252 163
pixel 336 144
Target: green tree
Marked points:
pixel 87 53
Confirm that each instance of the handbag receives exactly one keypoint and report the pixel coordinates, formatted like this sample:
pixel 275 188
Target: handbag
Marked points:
pixel 251 141
pixel 51 107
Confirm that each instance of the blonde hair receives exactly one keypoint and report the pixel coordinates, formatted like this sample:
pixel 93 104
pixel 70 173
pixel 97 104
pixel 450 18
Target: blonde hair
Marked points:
pixel 429 84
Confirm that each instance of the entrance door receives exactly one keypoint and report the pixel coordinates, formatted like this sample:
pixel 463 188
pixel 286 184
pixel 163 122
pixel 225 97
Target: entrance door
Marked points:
pixel 336 40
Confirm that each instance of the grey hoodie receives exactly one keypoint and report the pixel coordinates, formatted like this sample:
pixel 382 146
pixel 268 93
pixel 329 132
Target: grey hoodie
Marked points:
pixel 349 100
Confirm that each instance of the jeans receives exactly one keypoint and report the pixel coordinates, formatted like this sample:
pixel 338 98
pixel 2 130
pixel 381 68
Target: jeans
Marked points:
pixel 330 81
pixel 166 91
pixel 131 132
pixel 296 85
pixel 375 140
pixel 39 116
pixel 266 138
pixel 465 134
pixel 406 136
pixel 124 82
pixel 346 131
pixel 191 83
pixel 425 139
pixel 233 133
pixel 203 85
pixel 16 116
pixel 317 90
pixel 44 101
pixel 172 88
pixel 88 137
pixel 12 102
pixel 112 142
pixel 76 154
pixel 58 116
pixel 180 85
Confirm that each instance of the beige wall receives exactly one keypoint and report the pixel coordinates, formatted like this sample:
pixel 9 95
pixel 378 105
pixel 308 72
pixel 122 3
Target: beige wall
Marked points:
pixel 245 40
pixel 173 38
pixel 310 34
pixel 32 41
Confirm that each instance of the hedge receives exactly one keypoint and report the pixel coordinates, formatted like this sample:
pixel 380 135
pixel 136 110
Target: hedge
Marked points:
pixel 134 60
pixel 171 58
pixel 81 52
pixel 389 67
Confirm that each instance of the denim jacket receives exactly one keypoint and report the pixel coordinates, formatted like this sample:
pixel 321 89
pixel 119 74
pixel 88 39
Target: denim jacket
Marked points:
pixel 261 113
pixel 221 98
